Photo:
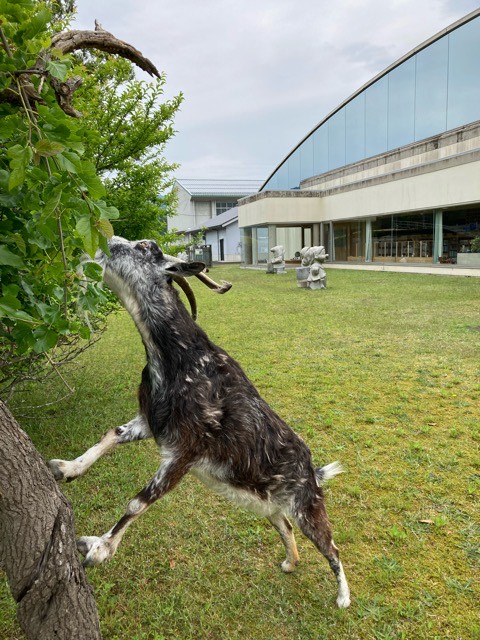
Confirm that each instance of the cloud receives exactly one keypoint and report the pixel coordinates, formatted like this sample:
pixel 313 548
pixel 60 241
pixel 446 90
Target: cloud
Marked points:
pixel 257 76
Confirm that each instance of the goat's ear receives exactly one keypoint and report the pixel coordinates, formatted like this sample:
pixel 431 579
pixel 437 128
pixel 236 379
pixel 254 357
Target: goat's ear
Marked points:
pixel 185 269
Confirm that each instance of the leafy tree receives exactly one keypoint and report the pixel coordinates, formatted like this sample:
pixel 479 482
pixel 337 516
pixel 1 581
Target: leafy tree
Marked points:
pixel 53 204
pixel 129 127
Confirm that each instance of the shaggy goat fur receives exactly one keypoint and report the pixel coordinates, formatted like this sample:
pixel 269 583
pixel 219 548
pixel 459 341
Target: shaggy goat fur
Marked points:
pixel 206 417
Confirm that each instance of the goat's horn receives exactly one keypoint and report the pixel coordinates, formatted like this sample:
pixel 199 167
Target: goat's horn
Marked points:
pixel 188 291
pixel 211 284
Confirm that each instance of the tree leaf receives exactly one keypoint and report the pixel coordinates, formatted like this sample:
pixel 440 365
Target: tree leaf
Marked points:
pixel 86 228
pixel 9 258
pixel 57 69
pixel 47 148
pixel 45 339
pixel 19 159
pixel 16 314
pixel 105 227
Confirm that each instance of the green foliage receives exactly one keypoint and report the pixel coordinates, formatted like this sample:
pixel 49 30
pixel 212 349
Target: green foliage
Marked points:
pixel 63 180
pixel 52 205
pixel 129 127
pixel 475 244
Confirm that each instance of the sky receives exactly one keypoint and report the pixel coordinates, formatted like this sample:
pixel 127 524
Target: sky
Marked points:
pixel 258 75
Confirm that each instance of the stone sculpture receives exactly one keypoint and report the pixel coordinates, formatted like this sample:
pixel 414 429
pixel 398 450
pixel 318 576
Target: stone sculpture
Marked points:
pixel 311 274
pixel 277 263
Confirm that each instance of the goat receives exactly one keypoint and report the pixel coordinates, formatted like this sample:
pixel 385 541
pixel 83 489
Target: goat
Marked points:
pixel 206 417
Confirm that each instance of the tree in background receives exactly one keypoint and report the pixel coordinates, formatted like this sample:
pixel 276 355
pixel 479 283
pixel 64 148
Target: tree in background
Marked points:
pixel 129 127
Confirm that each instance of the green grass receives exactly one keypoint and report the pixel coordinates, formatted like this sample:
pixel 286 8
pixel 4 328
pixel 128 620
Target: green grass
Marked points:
pixel 380 371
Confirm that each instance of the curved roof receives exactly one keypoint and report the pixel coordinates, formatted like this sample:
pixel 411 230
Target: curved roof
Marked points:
pixel 471 16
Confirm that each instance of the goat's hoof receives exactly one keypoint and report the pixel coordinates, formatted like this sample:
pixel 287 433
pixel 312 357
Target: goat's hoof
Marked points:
pixel 343 601
pixel 57 467
pixel 288 567
pixel 95 550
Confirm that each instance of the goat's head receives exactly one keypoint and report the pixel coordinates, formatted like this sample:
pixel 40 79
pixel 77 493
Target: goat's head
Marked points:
pixel 140 267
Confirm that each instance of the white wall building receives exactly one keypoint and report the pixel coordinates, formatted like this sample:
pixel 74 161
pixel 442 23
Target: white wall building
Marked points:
pixel 200 200
pixel 392 175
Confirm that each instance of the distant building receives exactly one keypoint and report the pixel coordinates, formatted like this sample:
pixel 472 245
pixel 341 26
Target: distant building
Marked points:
pixel 211 204
pixel 392 175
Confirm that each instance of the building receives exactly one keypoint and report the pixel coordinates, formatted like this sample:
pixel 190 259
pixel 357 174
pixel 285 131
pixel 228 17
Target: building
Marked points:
pixel 392 175
pixel 222 235
pixel 210 205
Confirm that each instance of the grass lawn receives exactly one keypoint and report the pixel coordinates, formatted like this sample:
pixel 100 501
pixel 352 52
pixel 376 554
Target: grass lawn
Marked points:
pixel 379 371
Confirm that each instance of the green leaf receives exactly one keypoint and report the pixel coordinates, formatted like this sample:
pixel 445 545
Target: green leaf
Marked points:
pixel 36 25
pixel 9 258
pixel 86 228
pixel 45 339
pixel 105 227
pixel 19 159
pixel 47 148
pixel 9 125
pixel 57 69
pixel 69 161
pixel 106 212
pixel 91 181
pixel 52 204
pixel 11 301
pixel 16 314
pixel 93 271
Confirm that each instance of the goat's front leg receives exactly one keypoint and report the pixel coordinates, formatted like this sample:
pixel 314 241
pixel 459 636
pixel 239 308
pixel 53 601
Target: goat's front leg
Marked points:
pixel 98 549
pixel 136 429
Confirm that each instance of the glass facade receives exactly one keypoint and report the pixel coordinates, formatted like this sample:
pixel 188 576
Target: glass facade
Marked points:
pixel 435 90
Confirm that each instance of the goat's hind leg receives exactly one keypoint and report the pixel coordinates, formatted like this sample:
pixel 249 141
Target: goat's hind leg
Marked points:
pixel 285 529
pixel 136 429
pixel 313 522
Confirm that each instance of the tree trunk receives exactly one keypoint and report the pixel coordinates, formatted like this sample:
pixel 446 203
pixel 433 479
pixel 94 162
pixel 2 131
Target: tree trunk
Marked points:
pixel 37 545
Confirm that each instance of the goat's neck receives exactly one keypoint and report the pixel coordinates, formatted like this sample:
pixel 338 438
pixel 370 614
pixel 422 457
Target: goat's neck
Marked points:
pixel 164 325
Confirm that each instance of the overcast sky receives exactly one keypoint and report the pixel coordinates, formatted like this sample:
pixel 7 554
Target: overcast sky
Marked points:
pixel 258 75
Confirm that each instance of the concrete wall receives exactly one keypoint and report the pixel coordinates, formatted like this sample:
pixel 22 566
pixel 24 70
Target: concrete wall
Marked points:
pixel 231 239
pixel 203 212
pixel 448 185
pixel 185 217
pixel 440 172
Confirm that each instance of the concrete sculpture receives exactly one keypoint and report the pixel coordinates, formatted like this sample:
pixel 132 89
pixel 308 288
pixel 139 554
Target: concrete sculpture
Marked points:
pixel 311 274
pixel 277 263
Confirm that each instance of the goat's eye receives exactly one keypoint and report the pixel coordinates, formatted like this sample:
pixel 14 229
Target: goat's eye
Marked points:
pixel 142 245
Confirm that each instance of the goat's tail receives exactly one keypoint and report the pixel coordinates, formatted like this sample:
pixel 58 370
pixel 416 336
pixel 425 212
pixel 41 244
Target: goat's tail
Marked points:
pixel 329 471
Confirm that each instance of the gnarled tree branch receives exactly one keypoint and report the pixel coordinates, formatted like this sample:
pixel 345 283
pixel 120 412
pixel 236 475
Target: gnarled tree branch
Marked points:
pixel 68 42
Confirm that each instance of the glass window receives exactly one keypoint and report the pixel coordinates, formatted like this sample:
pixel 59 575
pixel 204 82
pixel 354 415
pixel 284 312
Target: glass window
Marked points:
pixel 221 207
pixel 294 170
pixel 431 90
pixel 336 140
pixel 320 150
pixel 355 129
pixel 306 159
pixel 403 238
pixel 283 176
pixel 376 101
pixel 401 104
pixel 464 75
pixel 291 240
pixel 260 245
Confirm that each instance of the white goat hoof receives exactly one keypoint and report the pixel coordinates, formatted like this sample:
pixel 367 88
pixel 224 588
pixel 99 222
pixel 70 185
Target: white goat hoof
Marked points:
pixel 343 601
pixel 288 567
pixel 59 469
pixel 95 550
